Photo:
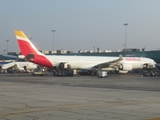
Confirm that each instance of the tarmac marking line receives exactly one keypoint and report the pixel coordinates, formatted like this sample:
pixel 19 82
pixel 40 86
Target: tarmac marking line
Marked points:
pixel 72 106
pixel 153 119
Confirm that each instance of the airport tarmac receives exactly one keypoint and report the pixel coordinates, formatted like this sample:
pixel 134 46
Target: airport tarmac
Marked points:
pixel 117 97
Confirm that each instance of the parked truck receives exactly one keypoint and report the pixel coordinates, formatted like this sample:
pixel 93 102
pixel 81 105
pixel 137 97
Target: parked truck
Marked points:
pixel 39 72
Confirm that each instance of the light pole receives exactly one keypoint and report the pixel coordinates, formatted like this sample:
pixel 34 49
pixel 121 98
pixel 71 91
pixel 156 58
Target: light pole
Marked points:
pixel 125 34
pixel 4 51
pixel 7 45
pixel 94 48
pixel 53 38
pixel 123 47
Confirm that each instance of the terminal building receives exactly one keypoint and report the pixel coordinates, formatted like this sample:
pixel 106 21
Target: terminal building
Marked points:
pixel 154 54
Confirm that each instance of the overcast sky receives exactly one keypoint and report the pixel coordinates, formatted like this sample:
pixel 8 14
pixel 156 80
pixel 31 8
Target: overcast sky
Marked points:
pixel 81 24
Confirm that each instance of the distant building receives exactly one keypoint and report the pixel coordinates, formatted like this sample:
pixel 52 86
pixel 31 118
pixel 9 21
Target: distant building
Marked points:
pixel 14 53
pixel 44 51
pixel 52 52
pixel 68 52
pixel 118 50
pixel 107 51
pixel 131 50
pixel 80 51
pixel 61 51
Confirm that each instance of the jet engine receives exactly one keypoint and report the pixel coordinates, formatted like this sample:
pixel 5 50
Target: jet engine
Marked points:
pixel 121 71
pixel 125 67
pixel 147 66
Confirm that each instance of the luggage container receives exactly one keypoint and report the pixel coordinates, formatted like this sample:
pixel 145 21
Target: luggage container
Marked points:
pixel 102 74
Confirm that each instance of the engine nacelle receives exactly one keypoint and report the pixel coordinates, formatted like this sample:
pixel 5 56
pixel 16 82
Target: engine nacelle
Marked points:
pixel 125 67
pixel 148 66
pixel 145 66
pixel 121 71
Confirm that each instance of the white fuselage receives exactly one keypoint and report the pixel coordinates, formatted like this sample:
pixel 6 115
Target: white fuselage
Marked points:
pixel 87 62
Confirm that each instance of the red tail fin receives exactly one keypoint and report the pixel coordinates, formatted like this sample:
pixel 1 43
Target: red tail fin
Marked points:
pixel 25 44
pixel 30 51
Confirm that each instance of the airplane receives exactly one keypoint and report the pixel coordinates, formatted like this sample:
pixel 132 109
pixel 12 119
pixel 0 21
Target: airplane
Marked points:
pixel 119 64
pixel 15 57
pixel 20 66
pixel 3 62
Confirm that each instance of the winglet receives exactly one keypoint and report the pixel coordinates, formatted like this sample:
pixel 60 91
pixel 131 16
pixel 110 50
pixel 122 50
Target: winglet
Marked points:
pixel 120 57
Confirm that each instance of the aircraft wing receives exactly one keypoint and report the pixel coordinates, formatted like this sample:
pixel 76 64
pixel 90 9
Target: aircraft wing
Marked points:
pixel 110 63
